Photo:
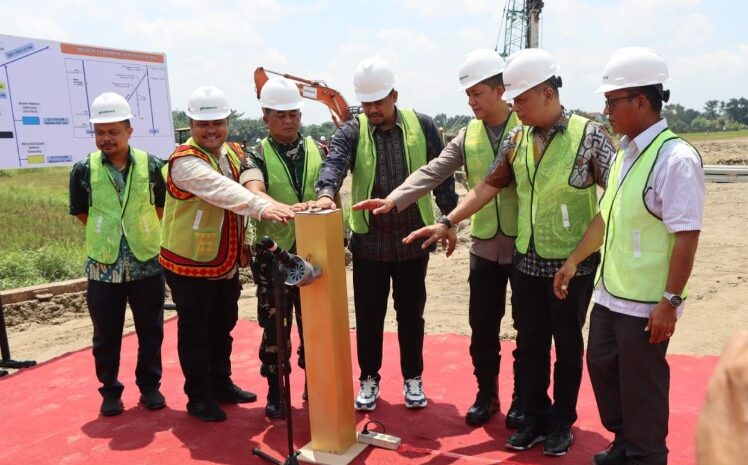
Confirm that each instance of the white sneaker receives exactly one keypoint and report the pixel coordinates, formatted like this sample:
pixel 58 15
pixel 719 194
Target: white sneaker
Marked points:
pixel 367 396
pixel 413 391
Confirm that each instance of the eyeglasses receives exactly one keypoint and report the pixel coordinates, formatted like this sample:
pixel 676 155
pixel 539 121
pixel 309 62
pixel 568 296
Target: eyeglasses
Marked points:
pixel 610 102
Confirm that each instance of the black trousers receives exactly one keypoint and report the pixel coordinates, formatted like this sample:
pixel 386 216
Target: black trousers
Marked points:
pixel 208 310
pixel 488 281
pixel 106 305
pixel 631 380
pixel 371 288
pixel 262 268
pixel 542 318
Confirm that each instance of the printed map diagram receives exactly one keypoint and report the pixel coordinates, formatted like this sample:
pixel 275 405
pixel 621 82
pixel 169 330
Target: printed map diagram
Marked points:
pixel 46 90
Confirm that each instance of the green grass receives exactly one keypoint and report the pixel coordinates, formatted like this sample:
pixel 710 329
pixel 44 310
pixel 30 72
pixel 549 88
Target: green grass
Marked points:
pixel 40 241
pixel 695 136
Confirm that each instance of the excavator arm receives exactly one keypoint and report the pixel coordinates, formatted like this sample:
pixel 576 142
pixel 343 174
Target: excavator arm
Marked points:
pixel 313 90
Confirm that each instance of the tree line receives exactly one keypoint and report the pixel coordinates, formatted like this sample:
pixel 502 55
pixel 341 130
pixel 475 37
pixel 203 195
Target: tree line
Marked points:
pixel 717 115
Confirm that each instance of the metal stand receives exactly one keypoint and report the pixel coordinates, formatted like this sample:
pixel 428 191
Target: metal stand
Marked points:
pixel 7 362
pixel 282 329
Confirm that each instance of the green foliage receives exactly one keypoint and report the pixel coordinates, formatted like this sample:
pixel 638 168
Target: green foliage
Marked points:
pixel 41 241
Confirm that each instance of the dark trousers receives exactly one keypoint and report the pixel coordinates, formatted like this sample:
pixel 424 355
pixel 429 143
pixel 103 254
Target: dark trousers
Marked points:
pixel 371 288
pixel 631 380
pixel 208 310
pixel 488 281
pixel 542 318
pixel 263 274
pixel 106 305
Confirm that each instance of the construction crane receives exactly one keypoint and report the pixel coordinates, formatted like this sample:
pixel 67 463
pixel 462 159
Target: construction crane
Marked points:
pixel 313 90
pixel 520 27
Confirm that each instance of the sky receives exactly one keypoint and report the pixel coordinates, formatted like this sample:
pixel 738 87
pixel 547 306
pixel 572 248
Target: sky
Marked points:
pixel 221 42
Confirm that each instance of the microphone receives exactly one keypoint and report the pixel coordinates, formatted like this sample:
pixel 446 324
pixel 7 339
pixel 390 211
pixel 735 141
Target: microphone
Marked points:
pixel 283 257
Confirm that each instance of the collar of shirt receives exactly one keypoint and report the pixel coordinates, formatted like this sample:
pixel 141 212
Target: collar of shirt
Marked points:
pixel 631 148
pixel 291 151
pixel 130 158
pixel 559 126
pixel 398 122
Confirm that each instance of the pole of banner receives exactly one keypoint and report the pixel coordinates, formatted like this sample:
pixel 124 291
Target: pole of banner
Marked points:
pixel 324 306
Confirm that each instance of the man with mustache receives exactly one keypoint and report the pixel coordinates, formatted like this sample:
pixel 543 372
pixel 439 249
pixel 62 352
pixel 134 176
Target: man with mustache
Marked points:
pixel 118 193
pixel 202 250
pixel 381 148
pixel 283 170
pixel 493 227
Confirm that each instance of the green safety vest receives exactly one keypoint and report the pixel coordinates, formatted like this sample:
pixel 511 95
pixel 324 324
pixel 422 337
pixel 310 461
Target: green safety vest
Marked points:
pixel 500 214
pixel 200 239
pixel 280 187
pixel 108 217
pixel 552 213
pixel 365 168
pixel 637 248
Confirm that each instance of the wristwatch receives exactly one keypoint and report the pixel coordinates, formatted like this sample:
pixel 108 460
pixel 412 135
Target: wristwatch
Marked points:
pixel 445 221
pixel 674 299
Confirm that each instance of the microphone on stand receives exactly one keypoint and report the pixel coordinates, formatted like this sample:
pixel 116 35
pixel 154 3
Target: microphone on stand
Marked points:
pixel 298 271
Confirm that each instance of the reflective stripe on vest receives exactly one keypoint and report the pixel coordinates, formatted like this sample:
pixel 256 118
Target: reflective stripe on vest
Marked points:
pixel 500 214
pixel 280 187
pixel 637 248
pixel 414 142
pixel 200 239
pixel 135 216
pixel 552 213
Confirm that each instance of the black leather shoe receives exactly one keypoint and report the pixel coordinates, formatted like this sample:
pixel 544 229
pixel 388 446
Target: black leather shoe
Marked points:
pixel 515 416
pixel 153 400
pixel 274 410
pixel 615 454
pixel 558 441
pixel 206 410
pixel 529 434
pixel 111 406
pixel 233 394
pixel 480 412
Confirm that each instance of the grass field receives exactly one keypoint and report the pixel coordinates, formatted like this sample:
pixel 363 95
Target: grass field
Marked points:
pixel 40 241
pixel 715 135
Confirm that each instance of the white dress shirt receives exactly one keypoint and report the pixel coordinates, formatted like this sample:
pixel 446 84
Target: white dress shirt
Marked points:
pixel 675 193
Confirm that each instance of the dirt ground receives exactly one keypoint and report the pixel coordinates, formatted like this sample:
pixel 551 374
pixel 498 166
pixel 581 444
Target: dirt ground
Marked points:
pixel 717 306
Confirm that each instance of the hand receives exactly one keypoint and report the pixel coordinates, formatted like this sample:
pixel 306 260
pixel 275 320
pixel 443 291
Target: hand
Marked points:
pixel 324 203
pixel 562 278
pixel 302 206
pixel 450 241
pixel 432 234
pixel 277 213
pixel 378 206
pixel 661 324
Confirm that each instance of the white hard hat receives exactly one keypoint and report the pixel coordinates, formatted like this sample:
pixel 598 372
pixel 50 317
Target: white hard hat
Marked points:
pixel 280 94
pixel 110 107
pixel 633 67
pixel 526 69
pixel 479 65
pixel 208 103
pixel 373 80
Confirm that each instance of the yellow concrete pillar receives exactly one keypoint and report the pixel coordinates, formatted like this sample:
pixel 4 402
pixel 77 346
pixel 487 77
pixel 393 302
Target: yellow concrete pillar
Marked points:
pixel 324 303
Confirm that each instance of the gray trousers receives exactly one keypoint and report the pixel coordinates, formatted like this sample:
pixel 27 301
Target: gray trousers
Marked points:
pixel 631 381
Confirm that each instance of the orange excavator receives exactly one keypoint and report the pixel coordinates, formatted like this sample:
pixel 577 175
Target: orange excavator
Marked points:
pixel 313 90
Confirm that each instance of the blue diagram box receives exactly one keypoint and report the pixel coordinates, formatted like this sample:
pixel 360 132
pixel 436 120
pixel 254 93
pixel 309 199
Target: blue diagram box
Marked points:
pixel 56 120
pixel 19 51
pixel 31 120
pixel 59 158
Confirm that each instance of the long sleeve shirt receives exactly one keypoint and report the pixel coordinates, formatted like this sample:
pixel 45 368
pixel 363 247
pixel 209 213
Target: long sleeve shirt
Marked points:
pixel 499 248
pixel 196 176
pixel 383 242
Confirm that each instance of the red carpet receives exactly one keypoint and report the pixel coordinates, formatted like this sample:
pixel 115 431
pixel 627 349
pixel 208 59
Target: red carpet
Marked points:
pixel 49 414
